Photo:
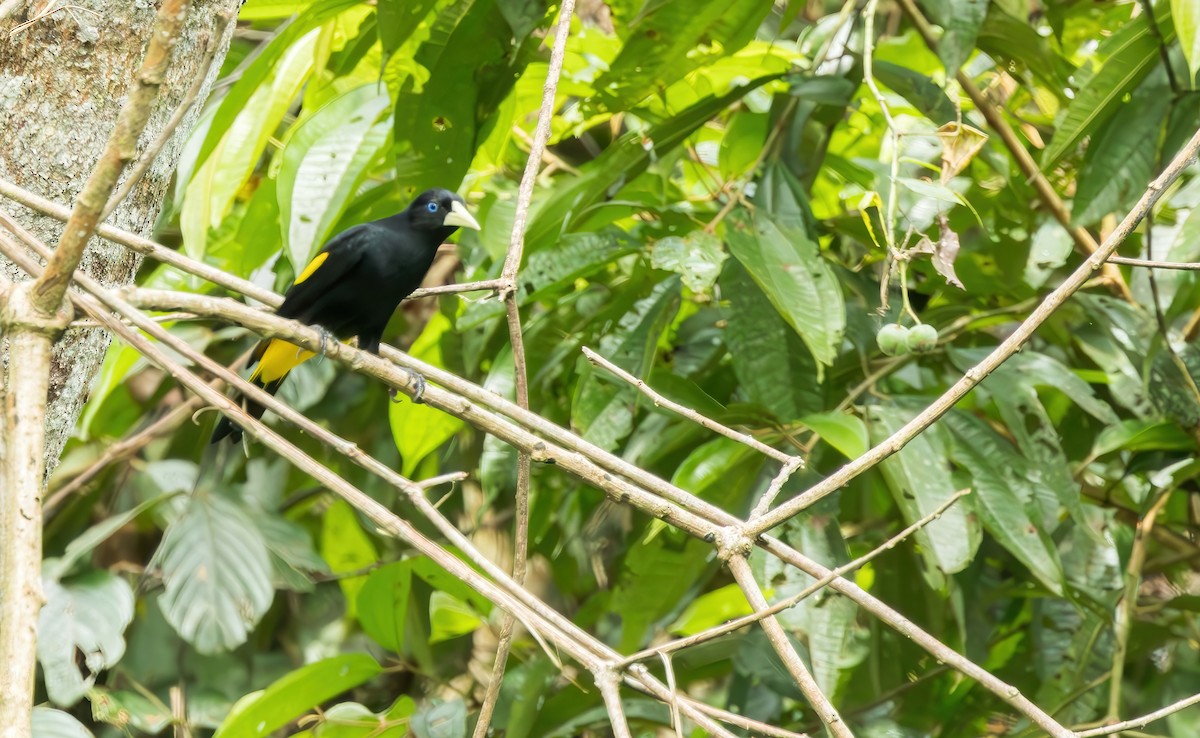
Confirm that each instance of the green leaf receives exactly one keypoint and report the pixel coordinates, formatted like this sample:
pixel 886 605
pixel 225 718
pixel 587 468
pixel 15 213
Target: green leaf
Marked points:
pixel 621 162
pixel 1185 14
pixel 1120 158
pixel 236 151
pixel 86 542
pixel 49 723
pixel 843 431
pixel 919 478
pixel 772 364
pixel 742 143
pixel 450 617
pixel 602 408
pixel 397 21
pixel 290 46
pixel 1001 491
pixel 444 720
pixel 383 604
pixel 346 548
pixel 961 20
pixel 262 713
pixel 292 552
pixel 921 91
pixel 711 609
pixel 418 429
pixel 472 67
pixel 125 708
pixel 669 39
pixel 325 161
pixel 1141 435
pixel 1129 55
pixel 272 9
pixel 216 574
pixel 697 258
pixel 81 626
pixel 787 265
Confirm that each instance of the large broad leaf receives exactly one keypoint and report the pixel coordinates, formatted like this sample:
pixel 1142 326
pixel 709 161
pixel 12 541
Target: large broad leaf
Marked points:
pixel 697 258
pixel 1186 16
pixel 384 603
pixel 772 364
pixel 397 21
pixel 1128 55
pixel 472 68
pixel 1014 40
pixel 571 201
pixel 418 429
pixel 788 267
pixel 669 39
pixel 1120 157
pixel 346 548
pixel 919 478
pixel 266 68
pixel 664 565
pixel 961 20
pixel 602 409
pixel 1001 491
pixel 48 723
pixel 921 91
pixel 264 712
pixel 235 154
pixel 324 163
pixel 81 626
pixel 216 574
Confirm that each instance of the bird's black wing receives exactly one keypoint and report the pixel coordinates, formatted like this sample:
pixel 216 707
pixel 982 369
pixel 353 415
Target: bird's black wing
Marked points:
pixel 339 257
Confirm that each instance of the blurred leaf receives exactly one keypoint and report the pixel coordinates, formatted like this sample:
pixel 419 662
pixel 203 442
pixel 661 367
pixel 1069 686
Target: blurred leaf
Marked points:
pixel 919 90
pixel 789 269
pixel 961 20
pixel 271 9
pixel 843 431
pixel 711 609
pixel 1011 39
pixel 1185 15
pixel 602 409
pixel 81 627
pixel 1000 493
pixel 450 617
pixel 383 604
pixel 324 162
pixel 669 39
pixel 1129 54
pixel 48 723
pixel 1142 435
pixel 919 478
pixel 125 709
pixel 86 542
pixel 696 257
pixel 1120 158
pixel 772 364
pixel 292 552
pixel 262 713
pixel 418 429
pixel 397 21
pixel 346 548
pixel 444 720
pixel 216 574
pixel 742 143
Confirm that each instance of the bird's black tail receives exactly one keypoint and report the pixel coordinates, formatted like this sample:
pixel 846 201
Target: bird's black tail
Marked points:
pixel 226 428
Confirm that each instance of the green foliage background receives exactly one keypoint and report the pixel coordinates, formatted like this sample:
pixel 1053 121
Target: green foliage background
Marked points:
pixel 254 591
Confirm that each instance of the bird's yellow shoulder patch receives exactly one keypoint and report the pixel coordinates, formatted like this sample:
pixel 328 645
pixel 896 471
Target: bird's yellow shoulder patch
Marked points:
pixel 317 261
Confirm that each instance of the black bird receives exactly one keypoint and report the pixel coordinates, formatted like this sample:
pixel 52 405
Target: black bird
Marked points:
pixel 353 286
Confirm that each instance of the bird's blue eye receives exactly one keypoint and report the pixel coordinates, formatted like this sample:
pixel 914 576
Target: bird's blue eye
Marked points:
pixel 432 207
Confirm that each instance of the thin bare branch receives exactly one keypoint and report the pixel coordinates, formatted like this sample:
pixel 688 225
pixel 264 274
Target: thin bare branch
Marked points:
pixel 118 151
pixel 1144 720
pixel 817 700
pixel 998 356
pixel 790 602
pixel 692 415
pixel 1190 266
pixel 610 689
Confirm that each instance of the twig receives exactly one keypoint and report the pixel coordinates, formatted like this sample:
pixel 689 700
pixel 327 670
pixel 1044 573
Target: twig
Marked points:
pixel 817 700
pixel 609 689
pixel 118 151
pixel 1191 266
pixel 1163 52
pixel 139 169
pixel 790 602
pixel 490 285
pixel 508 292
pixel 756 727
pixel 1045 191
pixel 776 486
pixel 8 7
pixel 998 356
pixel 1142 721
pixel 1123 620
pixel 688 413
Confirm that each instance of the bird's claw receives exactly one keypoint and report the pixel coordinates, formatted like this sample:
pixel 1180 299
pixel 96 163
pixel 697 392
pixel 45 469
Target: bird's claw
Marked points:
pixel 418 389
pixel 323 341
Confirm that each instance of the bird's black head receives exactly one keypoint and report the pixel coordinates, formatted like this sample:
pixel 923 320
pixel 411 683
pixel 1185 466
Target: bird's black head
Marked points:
pixel 440 211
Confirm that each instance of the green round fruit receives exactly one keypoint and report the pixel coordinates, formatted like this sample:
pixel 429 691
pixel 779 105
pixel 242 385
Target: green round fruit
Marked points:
pixel 922 338
pixel 892 339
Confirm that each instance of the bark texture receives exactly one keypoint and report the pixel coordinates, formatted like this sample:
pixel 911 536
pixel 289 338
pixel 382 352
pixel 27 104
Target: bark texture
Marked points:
pixel 62 82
